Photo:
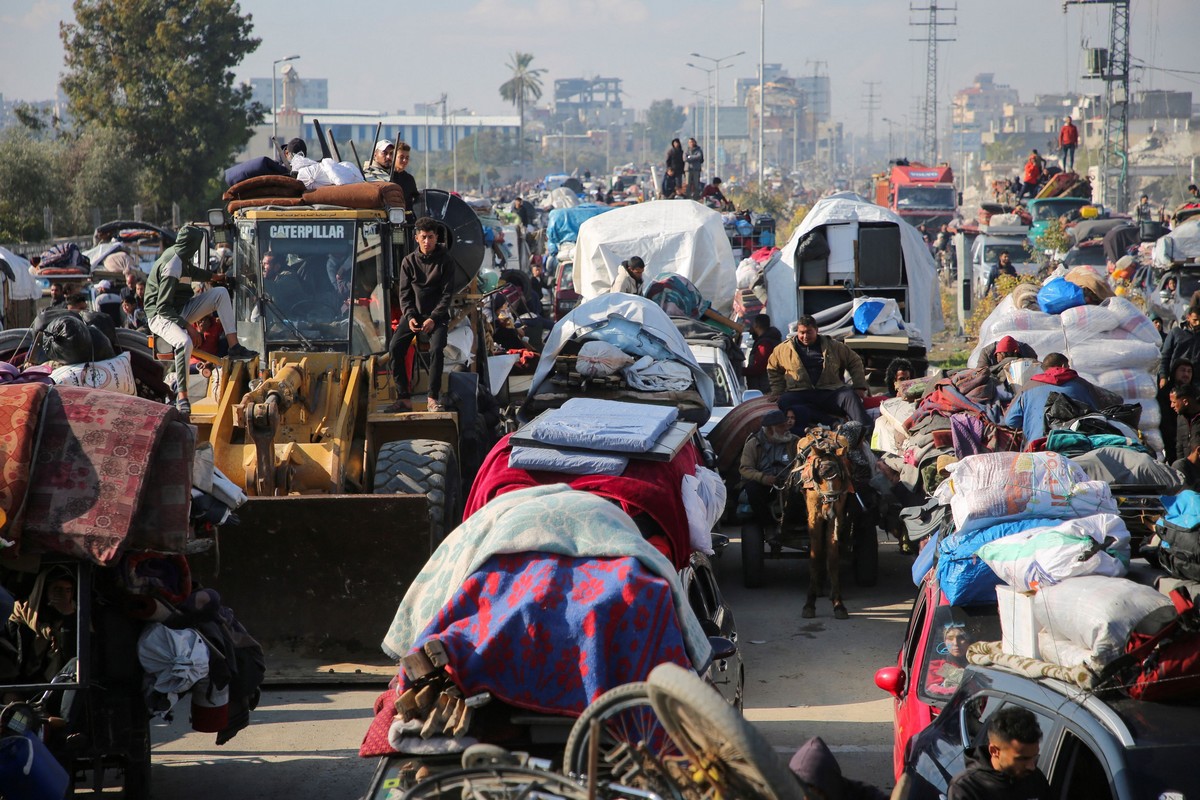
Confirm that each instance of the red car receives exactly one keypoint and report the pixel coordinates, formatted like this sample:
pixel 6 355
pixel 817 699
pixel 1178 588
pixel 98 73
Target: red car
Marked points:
pixel 932 660
pixel 565 296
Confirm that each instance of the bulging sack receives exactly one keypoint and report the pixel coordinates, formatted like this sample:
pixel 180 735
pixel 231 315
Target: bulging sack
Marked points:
pixel 601 359
pixel 1029 560
pixel 113 375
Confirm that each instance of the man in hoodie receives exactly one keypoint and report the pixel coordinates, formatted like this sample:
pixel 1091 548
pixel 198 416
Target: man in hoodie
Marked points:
pixel 629 276
pixel 171 307
pixel 1006 767
pixel 426 288
pixel 1028 408
pixel 1181 342
pixel 766 338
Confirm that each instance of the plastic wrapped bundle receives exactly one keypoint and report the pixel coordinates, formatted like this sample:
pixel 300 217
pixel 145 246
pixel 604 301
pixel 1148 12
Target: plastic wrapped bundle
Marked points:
pixel 991 488
pixel 1113 345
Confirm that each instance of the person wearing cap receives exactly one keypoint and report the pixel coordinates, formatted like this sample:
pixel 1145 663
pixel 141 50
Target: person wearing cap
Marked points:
pixel 807 373
pixel 379 167
pixel 1007 347
pixel 108 302
pixel 426 288
pixel 171 308
pixel 630 276
pixel 766 456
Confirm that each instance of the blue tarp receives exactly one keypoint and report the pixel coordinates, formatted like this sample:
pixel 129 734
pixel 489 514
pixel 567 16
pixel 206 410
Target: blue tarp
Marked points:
pixel 563 225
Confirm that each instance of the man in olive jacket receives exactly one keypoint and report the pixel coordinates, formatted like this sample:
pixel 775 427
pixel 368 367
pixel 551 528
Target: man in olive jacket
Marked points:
pixel 807 375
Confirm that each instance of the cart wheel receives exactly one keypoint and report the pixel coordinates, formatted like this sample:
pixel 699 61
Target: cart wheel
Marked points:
pixel 753 569
pixel 496 783
pixel 725 752
pixel 633 744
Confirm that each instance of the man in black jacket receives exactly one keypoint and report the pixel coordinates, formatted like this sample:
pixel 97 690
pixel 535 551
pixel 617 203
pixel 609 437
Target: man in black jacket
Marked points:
pixel 426 287
pixel 1181 342
pixel 1006 768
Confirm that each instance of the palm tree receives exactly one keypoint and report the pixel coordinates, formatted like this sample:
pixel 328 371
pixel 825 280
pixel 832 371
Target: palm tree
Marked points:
pixel 525 84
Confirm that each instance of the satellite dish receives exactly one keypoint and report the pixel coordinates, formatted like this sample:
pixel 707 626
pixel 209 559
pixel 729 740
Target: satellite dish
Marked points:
pixel 464 239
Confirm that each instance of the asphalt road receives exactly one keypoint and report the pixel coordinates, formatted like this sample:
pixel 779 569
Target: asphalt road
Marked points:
pixel 803 678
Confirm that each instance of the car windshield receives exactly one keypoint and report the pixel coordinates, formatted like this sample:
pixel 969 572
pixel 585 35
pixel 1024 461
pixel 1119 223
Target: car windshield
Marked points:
pixel 952 630
pixel 722 391
pixel 1093 256
pixel 312 285
pixel 1017 252
pixel 942 197
pixel 1048 210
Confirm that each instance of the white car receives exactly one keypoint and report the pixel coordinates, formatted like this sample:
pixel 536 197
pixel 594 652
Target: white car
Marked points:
pixel 985 253
pixel 728 389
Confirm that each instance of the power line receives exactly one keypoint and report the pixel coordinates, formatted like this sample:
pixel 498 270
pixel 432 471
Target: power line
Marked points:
pixel 931 40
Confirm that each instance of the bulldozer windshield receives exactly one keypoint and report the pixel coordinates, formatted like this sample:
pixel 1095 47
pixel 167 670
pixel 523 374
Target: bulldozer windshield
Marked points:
pixel 312 284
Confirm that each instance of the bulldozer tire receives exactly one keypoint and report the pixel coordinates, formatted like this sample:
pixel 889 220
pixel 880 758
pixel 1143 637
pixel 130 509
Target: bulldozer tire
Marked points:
pixel 423 466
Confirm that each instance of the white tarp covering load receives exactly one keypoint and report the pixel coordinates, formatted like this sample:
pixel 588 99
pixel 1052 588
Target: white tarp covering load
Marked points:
pixel 634 324
pixel 561 198
pixel 671 236
pixel 1112 345
pixel 1178 245
pixel 925 313
pixel 25 286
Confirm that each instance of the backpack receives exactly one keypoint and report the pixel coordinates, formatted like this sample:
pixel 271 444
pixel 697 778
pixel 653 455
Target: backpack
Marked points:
pixel 1162 654
pixel 1179 534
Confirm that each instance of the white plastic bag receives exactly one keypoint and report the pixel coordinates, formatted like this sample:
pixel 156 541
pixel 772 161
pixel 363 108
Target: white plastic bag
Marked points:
pixel 1095 613
pixel 340 173
pixel 112 375
pixel 601 359
pixel 704 497
pixel 990 488
pixel 1041 557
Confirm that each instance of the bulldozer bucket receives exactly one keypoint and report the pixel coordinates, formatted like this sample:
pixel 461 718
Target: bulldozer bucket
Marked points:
pixel 317 579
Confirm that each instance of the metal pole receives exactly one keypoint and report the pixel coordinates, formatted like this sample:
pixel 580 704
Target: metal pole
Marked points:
pixel 762 49
pixel 427 145
pixel 717 110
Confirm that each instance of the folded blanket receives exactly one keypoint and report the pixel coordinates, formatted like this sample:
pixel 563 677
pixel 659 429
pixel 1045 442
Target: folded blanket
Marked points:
pixel 543 519
pixel 607 425
pixel 358 195
pixel 264 186
pixel 571 462
pixel 20 411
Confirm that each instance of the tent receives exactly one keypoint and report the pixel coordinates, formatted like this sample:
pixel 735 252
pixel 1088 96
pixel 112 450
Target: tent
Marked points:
pixel 679 236
pixel 634 324
pixel 925 311
pixel 563 224
pixel 24 286
pixel 1181 244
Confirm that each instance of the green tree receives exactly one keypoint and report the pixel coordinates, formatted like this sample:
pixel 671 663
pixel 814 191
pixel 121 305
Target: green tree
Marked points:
pixel 104 174
pixel 160 74
pixel 663 119
pixel 524 86
pixel 30 181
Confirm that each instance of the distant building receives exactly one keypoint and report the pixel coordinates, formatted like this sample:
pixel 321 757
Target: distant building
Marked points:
pixel 591 101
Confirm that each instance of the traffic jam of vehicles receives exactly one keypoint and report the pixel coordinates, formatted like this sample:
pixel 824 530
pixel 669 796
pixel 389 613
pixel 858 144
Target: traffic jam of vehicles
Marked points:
pixel 585 406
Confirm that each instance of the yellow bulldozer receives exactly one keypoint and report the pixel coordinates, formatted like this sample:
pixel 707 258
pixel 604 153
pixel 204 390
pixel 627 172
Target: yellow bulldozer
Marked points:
pixel 347 501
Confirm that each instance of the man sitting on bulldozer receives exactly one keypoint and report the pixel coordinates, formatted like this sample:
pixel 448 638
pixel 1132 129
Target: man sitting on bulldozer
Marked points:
pixel 170 306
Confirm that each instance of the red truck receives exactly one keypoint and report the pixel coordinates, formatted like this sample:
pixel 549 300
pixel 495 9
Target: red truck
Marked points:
pixel 918 193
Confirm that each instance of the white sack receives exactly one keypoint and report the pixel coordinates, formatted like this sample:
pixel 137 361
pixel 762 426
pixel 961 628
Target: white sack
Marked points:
pixel 176 659
pixel 1040 557
pixel 601 359
pixel 704 498
pixel 339 173
pixel 112 375
pixel 309 172
pixel 1095 613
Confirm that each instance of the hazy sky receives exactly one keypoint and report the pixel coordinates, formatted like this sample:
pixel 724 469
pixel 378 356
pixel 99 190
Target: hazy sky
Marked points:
pixel 390 55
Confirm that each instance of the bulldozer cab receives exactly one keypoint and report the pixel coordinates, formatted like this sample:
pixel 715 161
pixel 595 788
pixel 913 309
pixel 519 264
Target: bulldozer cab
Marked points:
pixel 316 281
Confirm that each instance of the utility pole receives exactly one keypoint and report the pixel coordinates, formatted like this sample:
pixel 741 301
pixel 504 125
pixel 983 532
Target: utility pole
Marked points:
pixel 871 104
pixel 1114 71
pixel 817 105
pixel 931 40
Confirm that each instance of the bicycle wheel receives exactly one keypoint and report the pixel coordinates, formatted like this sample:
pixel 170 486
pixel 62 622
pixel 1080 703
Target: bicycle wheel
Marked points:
pixel 727 756
pixel 497 783
pixel 634 747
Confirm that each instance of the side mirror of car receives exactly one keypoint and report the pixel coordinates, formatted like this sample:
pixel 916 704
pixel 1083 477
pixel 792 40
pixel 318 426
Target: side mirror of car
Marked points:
pixel 722 648
pixel 751 394
pixel 891 680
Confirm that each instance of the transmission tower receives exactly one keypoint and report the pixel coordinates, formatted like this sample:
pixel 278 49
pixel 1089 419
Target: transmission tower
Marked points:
pixel 931 40
pixel 871 104
pixel 1114 71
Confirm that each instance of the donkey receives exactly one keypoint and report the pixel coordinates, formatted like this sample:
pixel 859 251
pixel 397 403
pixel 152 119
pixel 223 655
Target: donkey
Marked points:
pixel 823 474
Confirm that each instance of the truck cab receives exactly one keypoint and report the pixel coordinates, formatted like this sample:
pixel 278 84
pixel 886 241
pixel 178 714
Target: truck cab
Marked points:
pixel 1047 209
pixel 918 193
